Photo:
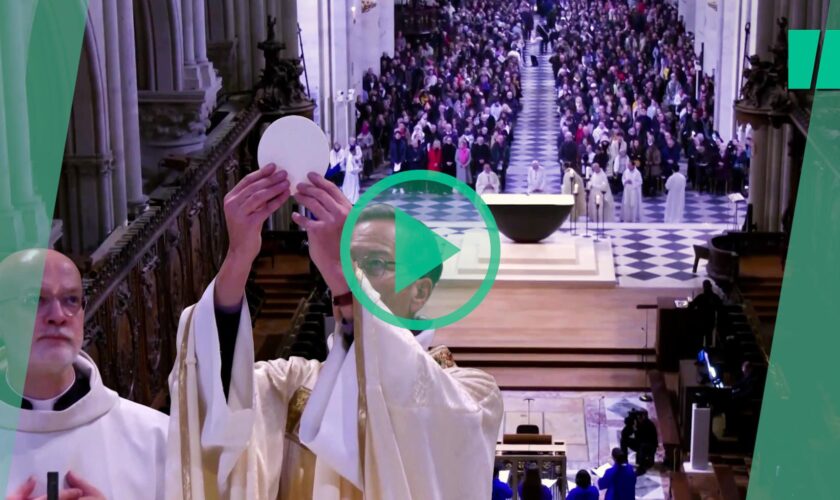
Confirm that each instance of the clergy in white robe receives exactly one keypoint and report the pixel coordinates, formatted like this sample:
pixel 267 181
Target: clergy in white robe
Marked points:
pixel 675 202
pixel 338 164
pixel 631 200
pixel 380 419
pixel 354 166
pixel 487 182
pixel 536 178
pixel 601 203
pixel 573 185
pixel 55 412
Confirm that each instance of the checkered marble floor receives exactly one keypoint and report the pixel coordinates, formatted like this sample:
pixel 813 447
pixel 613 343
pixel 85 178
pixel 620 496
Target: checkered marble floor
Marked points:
pixel 645 254
pixel 537 126
pixel 659 255
pixel 603 418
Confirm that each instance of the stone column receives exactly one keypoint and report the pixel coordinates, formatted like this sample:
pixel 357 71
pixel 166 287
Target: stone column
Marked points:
pixel 289 28
pixel 114 84
pixel 258 34
pixel 131 115
pixel 773 214
pixel 13 47
pixel 728 78
pixel 85 189
pixel 386 29
pixel 11 225
pixel 230 20
pixel 758 165
pixel 785 184
pixel 175 121
pixel 243 48
pixel 200 29
pixel 188 32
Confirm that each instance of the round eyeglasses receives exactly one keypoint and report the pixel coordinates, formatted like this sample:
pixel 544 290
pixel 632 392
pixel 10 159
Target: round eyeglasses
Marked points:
pixel 374 267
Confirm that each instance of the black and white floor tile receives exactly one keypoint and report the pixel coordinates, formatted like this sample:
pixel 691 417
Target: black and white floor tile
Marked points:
pixel 646 255
pixel 659 255
pixel 537 126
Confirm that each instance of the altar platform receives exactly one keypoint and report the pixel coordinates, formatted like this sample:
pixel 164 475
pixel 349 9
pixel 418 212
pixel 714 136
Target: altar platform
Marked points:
pixel 562 260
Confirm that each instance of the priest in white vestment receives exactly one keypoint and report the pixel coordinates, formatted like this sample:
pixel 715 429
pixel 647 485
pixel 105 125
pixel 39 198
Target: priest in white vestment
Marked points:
pixel 380 419
pixel 631 200
pixel 536 178
pixel 573 185
pixel 354 166
pixel 675 202
pixel 487 182
pixel 55 413
pixel 601 203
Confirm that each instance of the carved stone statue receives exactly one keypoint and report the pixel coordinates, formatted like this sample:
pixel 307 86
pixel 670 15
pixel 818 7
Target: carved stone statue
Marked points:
pixel 279 84
pixel 764 82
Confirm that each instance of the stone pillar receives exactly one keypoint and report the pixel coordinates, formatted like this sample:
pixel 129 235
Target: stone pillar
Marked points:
pixel 131 116
pixel 243 48
pixel 816 19
pixel 785 183
pixel 198 71
pixel 386 29
pixel 13 47
pixel 728 77
pixel 175 121
pixel 85 189
pixel 11 224
pixel 258 34
pixel 289 28
pixel 757 168
pixel 772 177
pixel 221 41
pixel 114 84
pixel 200 29
pixel 765 28
pixel 188 32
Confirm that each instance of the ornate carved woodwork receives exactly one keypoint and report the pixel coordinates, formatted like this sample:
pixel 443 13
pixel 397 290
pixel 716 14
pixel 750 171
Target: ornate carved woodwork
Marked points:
pixel 168 256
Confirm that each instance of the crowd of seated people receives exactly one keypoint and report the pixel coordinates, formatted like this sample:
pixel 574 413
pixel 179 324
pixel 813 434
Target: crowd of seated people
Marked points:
pixel 448 103
pixel 628 92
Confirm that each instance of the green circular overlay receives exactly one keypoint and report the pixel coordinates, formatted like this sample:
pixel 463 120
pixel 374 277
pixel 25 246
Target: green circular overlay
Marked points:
pixel 409 180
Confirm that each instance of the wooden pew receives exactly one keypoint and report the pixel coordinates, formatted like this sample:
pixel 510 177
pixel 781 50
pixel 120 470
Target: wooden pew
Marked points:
pixel 726 483
pixel 669 432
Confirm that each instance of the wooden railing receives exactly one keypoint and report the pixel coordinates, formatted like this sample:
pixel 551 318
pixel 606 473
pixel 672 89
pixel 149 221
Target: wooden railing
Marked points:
pixel 162 265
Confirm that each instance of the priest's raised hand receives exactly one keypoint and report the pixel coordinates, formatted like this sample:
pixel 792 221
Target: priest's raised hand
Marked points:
pixel 54 410
pixel 247 206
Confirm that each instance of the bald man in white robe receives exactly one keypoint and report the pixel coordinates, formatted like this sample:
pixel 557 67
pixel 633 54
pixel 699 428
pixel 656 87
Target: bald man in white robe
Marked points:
pixel 381 419
pixel 55 413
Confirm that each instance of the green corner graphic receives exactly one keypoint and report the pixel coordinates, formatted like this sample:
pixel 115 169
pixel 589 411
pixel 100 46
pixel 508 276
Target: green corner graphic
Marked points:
pixel 418 250
pixel 799 431
pixel 40 43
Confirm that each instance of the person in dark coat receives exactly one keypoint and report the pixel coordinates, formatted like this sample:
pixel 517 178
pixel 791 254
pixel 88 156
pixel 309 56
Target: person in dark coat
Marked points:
pixel 448 156
pixel 397 151
pixel 480 155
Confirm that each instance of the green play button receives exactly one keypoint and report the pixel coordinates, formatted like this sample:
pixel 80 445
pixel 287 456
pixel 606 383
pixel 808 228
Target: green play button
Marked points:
pixel 419 250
